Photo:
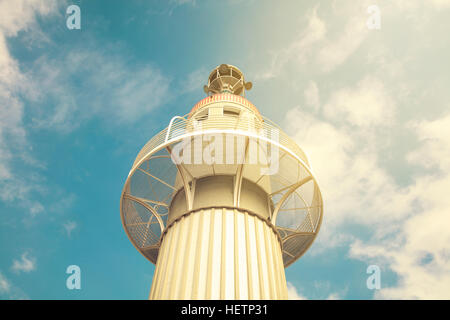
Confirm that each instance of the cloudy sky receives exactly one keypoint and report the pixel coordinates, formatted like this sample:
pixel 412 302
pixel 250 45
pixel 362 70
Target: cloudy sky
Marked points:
pixel 370 107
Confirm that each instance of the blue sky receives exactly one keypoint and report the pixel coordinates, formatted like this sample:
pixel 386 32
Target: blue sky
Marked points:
pixel 369 107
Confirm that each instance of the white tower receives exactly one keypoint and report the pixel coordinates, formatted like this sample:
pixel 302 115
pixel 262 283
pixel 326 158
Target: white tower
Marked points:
pixel 221 200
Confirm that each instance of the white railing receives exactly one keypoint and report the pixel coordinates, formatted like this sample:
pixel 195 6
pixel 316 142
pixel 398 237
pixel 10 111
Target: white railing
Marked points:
pixel 181 125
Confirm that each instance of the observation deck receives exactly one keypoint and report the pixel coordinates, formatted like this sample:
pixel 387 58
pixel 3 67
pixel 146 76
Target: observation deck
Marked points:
pixel 295 203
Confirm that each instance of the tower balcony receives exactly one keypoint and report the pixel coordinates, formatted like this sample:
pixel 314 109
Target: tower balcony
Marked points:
pixel 294 202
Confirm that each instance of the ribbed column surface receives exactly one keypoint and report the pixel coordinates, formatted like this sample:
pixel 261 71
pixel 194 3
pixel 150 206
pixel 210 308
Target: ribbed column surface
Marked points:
pixel 219 254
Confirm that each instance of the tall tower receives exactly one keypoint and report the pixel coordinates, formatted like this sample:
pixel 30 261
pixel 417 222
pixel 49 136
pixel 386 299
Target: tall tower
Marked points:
pixel 221 200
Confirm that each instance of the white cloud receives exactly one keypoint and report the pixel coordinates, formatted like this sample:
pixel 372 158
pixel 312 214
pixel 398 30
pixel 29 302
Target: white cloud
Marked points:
pixel 322 44
pixel 331 35
pixel 17 16
pixel 441 3
pixel 418 4
pixel 335 296
pixel 343 157
pixel 21 15
pixel 420 253
pixel 300 50
pixel 69 226
pixel 293 293
pixel 435 149
pixel 25 264
pixel 311 94
pixel 5 286
pixel 168 7
pixel 182 2
pixel 408 224
pixel 63 204
pixel 11 108
pixel 195 81
pixel 366 104
pixel 36 208
pixel 336 51
pixel 355 188
pixel 113 89
pixel 320 290
pixel 9 290
pixel 365 155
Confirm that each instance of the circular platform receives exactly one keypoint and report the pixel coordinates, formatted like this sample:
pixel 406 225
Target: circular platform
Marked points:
pixel 295 200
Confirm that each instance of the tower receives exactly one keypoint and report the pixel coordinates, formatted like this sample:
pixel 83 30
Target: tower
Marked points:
pixel 221 200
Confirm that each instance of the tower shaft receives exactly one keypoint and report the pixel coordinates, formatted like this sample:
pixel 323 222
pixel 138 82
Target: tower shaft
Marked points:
pixel 219 253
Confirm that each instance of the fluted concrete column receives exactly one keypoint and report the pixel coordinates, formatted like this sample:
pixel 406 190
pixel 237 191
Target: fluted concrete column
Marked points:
pixel 219 253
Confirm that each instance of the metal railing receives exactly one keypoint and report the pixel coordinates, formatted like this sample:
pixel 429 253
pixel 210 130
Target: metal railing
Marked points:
pixel 182 125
